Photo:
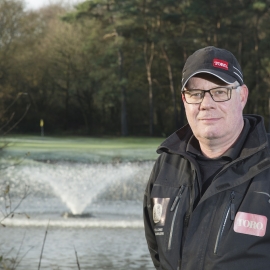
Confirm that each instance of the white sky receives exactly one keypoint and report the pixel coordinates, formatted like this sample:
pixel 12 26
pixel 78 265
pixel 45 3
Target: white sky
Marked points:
pixel 36 4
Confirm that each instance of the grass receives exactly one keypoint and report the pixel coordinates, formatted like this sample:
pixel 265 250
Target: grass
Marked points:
pixel 82 149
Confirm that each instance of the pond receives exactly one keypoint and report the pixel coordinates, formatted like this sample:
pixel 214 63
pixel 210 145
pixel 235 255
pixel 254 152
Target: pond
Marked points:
pixel 83 212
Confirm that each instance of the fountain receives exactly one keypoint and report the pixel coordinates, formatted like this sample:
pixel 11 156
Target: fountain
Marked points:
pixel 78 185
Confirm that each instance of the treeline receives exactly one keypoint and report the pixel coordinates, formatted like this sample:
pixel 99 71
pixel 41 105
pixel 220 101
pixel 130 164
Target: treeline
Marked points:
pixel 113 67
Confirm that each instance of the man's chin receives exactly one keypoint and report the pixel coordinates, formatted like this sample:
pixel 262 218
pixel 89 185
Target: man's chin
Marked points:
pixel 210 135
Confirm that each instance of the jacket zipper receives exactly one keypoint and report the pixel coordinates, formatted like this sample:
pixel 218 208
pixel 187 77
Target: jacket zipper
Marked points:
pixel 174 208
pixel 230 210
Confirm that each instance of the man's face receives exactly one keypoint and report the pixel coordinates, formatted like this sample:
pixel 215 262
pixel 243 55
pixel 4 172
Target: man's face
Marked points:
pixel 219 122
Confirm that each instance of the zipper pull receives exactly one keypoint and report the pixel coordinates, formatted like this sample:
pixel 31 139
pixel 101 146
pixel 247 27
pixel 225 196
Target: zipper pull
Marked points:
pixel 177 198
pixel 186 220
pixel 232 206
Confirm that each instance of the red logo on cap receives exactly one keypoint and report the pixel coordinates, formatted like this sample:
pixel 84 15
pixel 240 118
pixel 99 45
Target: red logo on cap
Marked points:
pixel 220 64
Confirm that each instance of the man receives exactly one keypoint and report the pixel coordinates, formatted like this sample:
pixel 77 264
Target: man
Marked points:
pixel 207 202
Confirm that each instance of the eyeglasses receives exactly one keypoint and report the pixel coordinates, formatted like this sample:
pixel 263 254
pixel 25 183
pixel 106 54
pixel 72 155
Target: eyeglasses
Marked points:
pixel 218 94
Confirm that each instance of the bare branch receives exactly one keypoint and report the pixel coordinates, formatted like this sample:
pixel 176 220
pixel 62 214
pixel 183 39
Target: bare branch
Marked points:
pixel 26 110
pixel 43 245
pixel 14 101
pixel 8 210
pixel 9 120
pixel 17 256
pixel 77 259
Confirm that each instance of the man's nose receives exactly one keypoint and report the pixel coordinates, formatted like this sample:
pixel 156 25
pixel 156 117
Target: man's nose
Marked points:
pixel 207 101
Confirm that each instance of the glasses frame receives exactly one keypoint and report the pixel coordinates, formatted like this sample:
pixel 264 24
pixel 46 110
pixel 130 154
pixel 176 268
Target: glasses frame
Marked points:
pixel 229 88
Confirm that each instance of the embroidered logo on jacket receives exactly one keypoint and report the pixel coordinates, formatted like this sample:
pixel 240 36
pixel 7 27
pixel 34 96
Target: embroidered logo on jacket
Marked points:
pixel 160 206
pixel 251 224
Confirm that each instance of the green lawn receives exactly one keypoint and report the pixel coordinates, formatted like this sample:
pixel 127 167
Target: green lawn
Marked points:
pixel 82 149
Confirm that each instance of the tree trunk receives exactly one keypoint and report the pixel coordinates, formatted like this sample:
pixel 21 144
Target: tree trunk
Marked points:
pixel 84 113
pixel 169 69
pixel 256 49
pixel 240 45
pixel 269 115
pixel 148 65
pixel 124 127
pixel 67 98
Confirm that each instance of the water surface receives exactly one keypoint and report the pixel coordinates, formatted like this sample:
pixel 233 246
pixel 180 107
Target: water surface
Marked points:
pixel 111 236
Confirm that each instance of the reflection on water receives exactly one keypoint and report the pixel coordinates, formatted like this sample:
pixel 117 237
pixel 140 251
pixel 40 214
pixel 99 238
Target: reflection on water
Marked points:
pixel 111 237
pixel 97 248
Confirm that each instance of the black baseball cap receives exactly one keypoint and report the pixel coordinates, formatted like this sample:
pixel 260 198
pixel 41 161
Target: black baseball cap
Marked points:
pixel 218 62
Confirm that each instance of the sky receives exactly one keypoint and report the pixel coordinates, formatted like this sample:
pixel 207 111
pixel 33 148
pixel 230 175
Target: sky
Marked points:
pixel 36 4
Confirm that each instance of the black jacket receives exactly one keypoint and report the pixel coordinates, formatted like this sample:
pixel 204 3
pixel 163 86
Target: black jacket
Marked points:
pixel 229 226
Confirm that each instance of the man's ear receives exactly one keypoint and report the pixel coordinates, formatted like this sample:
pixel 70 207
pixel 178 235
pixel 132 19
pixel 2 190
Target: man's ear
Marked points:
pixel 183 99
pixel 244 95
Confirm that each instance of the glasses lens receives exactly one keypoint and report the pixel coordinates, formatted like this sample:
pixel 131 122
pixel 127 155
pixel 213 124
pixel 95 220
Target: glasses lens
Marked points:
pixel 194 96
pixel 220 94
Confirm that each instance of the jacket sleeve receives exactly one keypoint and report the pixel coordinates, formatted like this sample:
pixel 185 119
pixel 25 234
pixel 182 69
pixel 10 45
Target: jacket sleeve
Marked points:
pixel 148 220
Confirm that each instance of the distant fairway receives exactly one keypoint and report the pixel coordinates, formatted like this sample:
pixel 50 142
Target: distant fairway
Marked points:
pixel 82 149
